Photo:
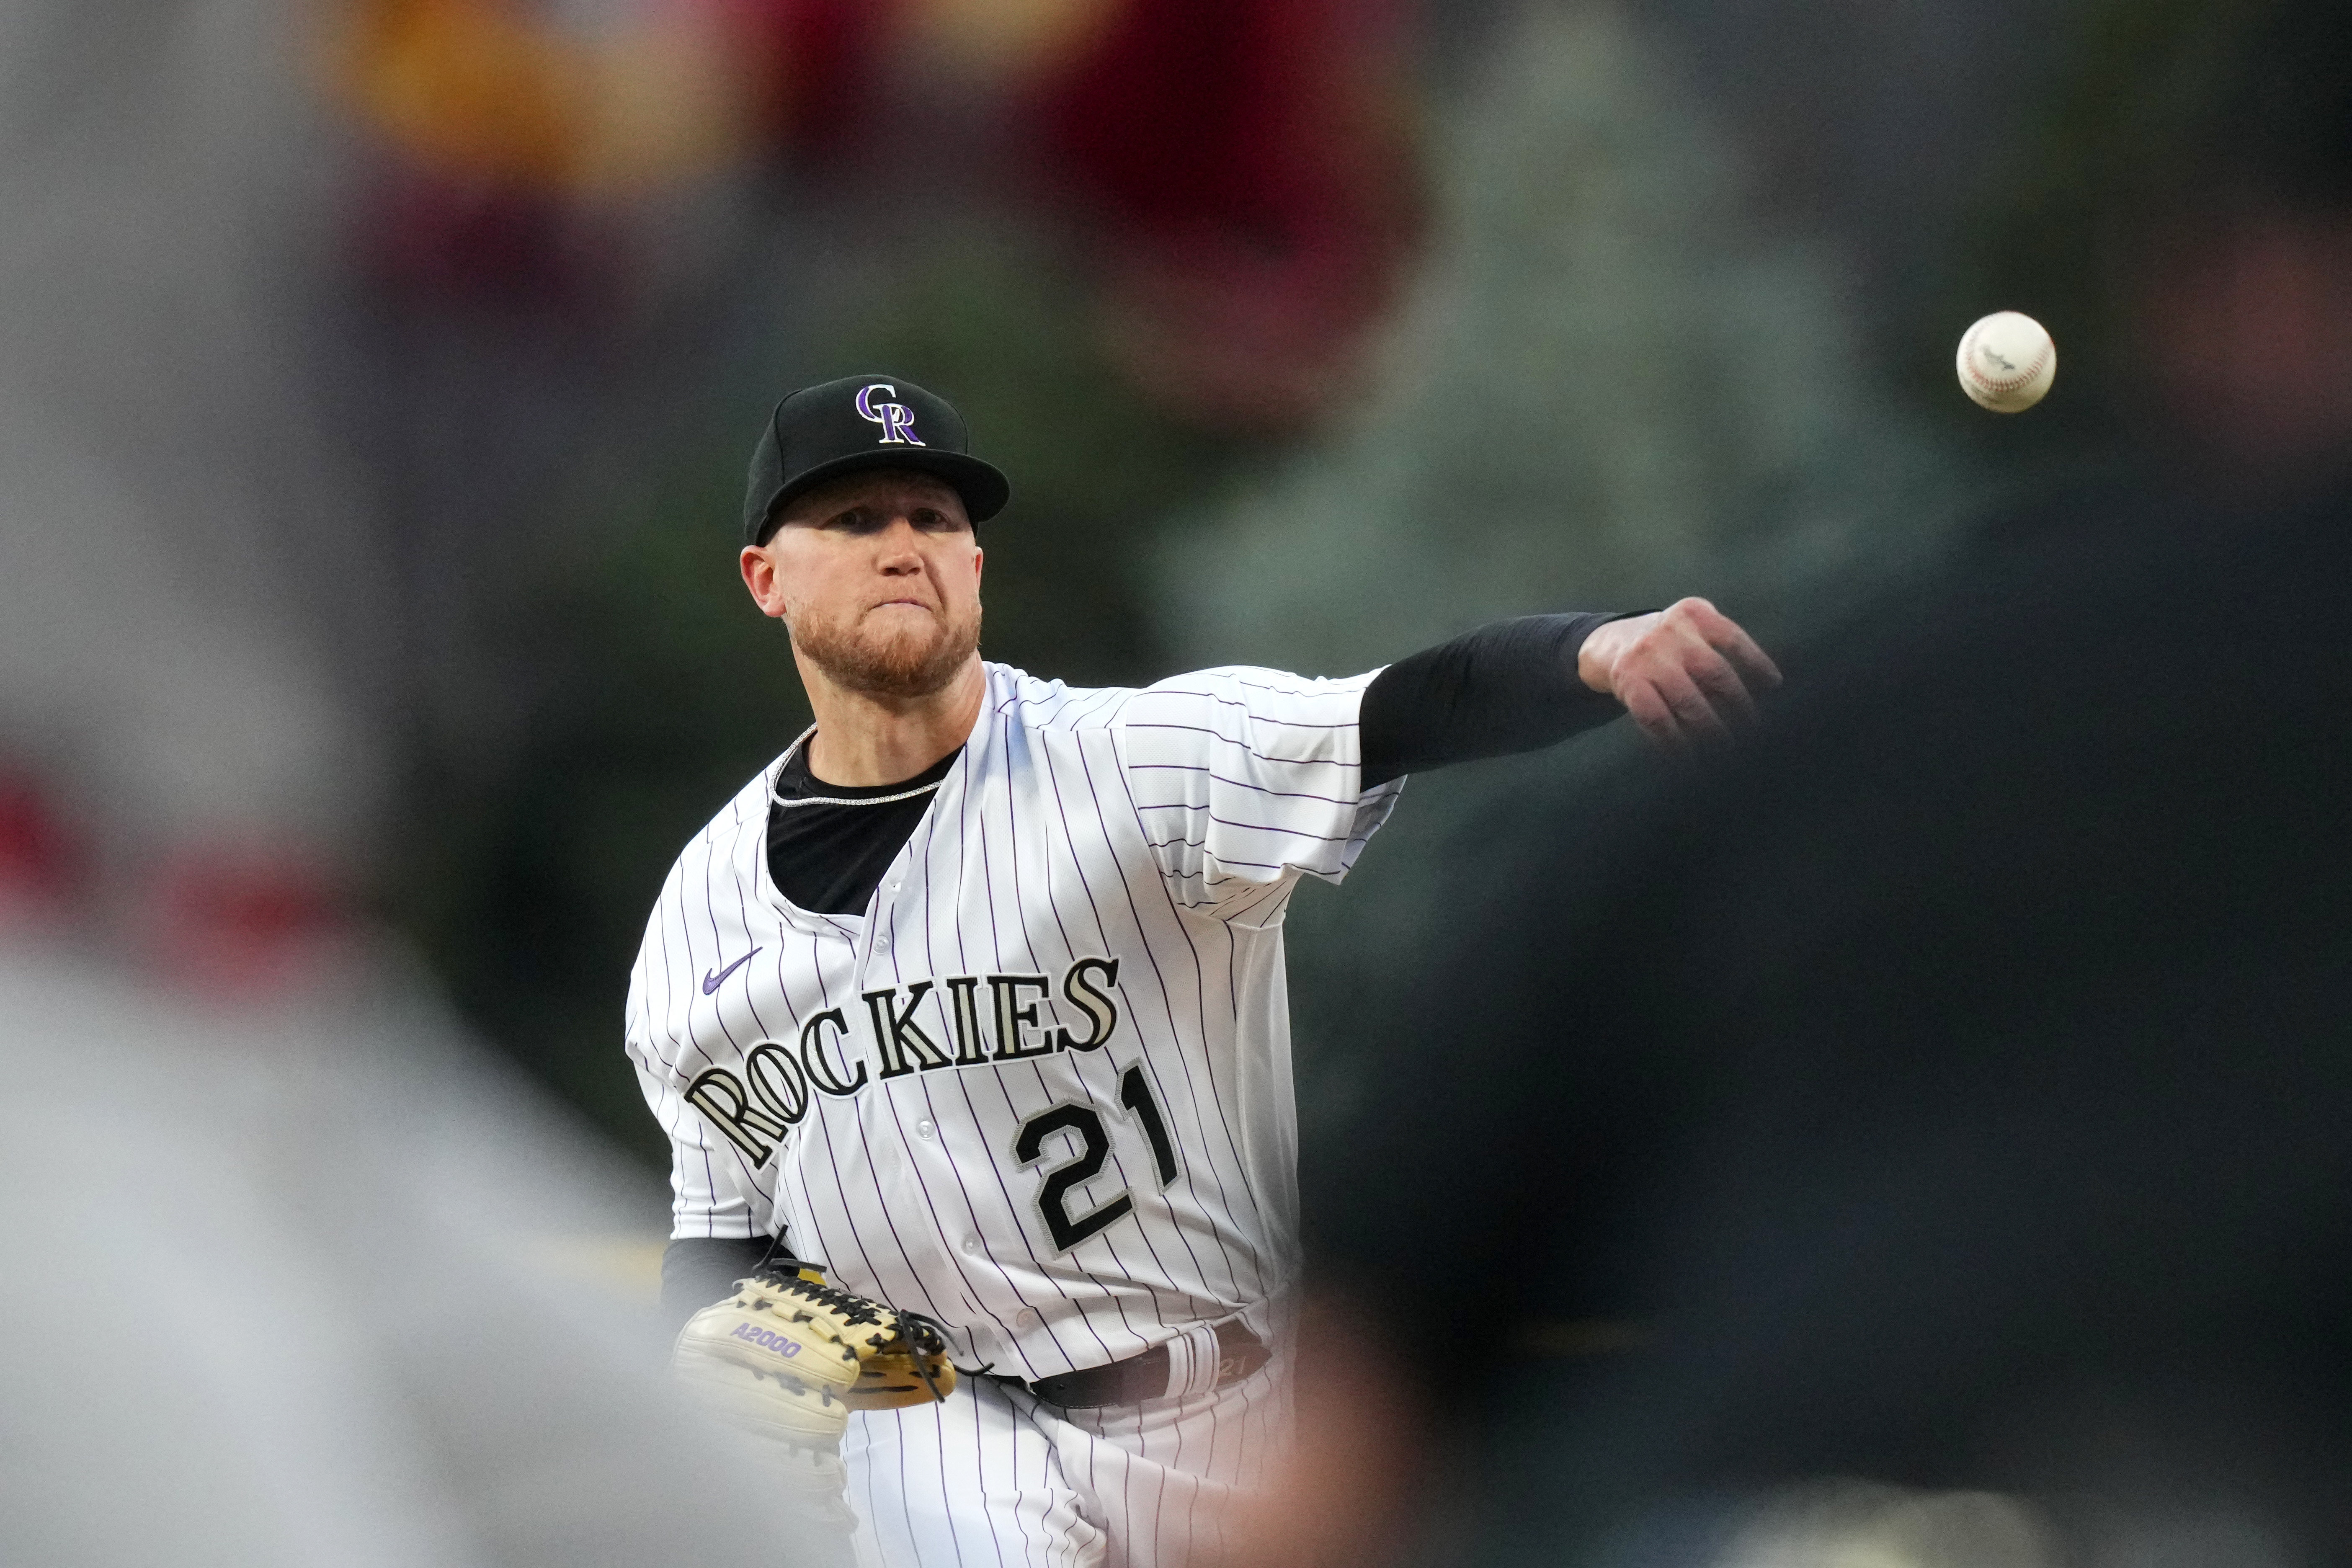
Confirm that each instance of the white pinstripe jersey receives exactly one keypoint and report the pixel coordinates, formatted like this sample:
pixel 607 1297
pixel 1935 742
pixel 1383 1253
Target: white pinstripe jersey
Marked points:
pixel 1040 1089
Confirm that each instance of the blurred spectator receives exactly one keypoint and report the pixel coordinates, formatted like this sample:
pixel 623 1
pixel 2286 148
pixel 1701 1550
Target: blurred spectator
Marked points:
pixel 1253 160
pixel 1238 174
pixel 174 518
pixel 1949 1092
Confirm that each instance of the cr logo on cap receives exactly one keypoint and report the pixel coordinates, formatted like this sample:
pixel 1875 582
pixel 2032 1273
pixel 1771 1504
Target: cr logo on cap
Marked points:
pixel 897 420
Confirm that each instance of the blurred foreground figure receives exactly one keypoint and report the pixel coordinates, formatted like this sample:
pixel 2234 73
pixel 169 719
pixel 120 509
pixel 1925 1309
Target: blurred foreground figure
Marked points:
pixel 312 1289
pixel 1949 1099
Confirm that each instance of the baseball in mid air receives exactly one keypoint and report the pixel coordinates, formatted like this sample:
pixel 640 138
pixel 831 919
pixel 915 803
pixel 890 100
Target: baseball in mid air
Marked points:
pixel 2007 361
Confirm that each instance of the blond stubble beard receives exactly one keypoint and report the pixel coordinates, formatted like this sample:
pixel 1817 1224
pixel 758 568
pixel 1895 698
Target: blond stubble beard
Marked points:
pixel 901 664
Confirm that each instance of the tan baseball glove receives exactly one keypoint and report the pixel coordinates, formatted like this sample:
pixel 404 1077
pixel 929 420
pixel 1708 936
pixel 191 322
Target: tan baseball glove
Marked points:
pixel 790 1356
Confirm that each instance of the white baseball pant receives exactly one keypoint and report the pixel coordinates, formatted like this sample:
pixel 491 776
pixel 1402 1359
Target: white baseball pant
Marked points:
pixel 995 1477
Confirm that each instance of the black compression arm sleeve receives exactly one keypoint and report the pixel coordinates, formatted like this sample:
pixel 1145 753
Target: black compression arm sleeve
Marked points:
pixel 1510 686
pixel 697 1271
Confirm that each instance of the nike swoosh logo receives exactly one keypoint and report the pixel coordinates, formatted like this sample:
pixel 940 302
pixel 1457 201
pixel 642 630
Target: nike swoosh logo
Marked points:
pixel 711 983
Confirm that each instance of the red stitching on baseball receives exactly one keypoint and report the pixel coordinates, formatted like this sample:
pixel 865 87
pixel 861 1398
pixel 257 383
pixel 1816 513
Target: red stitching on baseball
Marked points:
pixel 2001 384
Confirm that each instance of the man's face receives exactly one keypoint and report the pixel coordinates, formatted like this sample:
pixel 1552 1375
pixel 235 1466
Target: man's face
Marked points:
pixel 877 578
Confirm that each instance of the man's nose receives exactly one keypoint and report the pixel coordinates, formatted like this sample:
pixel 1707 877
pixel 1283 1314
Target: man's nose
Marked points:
pixel 899 540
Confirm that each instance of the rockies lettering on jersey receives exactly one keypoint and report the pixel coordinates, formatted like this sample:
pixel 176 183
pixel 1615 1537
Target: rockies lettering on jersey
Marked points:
pixel 1040 1089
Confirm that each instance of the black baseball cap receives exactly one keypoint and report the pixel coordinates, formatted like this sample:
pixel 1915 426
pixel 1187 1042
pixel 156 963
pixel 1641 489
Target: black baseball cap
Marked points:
pixel 861 422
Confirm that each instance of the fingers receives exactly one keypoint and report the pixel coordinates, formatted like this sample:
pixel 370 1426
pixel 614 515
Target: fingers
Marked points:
pixel 1724 635
pixel 1715 677
pixel 1694 711
pixel 1650 712
pixel 1691 677
pixel 1673 711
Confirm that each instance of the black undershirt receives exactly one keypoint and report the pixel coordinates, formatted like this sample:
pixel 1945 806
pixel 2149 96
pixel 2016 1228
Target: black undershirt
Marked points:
pixel 1510 686
pixel 828 859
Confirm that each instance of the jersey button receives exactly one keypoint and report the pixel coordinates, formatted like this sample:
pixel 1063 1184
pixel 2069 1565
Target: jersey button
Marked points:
pixel 971 1244
pixel 926 1129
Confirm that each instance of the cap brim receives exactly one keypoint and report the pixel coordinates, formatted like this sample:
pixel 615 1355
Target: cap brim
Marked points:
pixel 984 490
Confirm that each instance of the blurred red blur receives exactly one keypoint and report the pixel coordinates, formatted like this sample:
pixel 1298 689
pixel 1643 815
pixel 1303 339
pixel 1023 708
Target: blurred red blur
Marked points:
pixel 1243 171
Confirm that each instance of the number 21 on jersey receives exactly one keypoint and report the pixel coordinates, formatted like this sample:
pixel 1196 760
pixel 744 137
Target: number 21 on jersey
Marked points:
pixel 1094 1148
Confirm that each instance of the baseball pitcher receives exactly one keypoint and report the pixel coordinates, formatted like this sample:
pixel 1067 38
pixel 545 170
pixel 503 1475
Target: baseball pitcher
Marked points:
pixel 966 1017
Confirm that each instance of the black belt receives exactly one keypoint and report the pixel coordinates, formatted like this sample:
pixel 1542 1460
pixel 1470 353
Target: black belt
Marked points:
pixel 1140 1377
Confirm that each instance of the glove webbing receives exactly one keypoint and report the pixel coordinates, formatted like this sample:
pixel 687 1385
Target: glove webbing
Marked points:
pixel 923 1334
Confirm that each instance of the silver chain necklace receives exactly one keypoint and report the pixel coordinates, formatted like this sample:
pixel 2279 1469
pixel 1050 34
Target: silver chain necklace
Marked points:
pixel 786 760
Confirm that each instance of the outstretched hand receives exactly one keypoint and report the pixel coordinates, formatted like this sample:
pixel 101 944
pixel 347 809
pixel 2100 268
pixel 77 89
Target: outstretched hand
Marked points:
pixel 1687 673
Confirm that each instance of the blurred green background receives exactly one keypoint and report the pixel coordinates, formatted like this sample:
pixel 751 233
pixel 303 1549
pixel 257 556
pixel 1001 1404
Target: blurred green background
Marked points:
pixel 1310 332
pixel 1675 315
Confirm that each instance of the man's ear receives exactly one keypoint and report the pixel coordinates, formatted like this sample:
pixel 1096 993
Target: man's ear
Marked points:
pixel 760 576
